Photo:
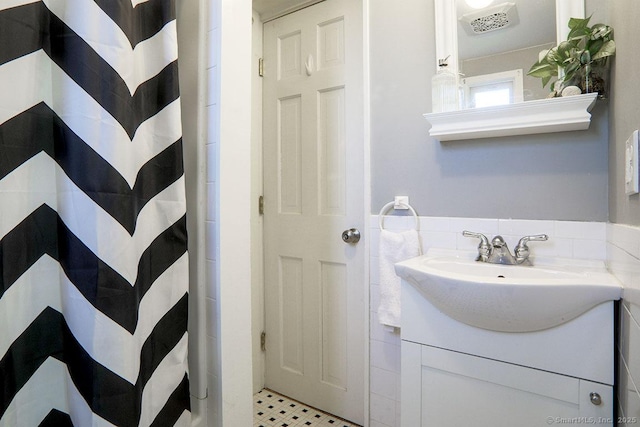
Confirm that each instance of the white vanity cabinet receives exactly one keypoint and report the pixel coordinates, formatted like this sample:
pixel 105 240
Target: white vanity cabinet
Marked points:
pixel 458 375
pixel 457 389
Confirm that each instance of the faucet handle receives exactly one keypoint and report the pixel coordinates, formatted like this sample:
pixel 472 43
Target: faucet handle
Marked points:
pixel 484 248
pixel 521 250
pixel 534 238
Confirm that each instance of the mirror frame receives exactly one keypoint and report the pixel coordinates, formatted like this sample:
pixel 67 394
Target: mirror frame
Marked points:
pixel 446 26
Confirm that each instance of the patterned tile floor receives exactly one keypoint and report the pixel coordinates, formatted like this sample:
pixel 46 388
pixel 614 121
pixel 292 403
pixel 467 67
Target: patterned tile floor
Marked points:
pixel 274 410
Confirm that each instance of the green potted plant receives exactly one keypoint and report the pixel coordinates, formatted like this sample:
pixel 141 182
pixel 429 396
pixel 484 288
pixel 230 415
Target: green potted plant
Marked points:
pixel 583 59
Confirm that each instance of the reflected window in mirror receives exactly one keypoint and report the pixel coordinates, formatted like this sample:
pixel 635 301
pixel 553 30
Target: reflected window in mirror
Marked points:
pixel 488 90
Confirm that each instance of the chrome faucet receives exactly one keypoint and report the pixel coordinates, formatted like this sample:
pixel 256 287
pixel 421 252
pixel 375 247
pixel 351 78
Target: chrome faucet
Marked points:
pixel 497 251
pixel 484 248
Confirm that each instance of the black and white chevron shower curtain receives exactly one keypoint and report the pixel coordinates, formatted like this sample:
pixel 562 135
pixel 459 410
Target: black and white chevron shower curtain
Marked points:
pixel 93 260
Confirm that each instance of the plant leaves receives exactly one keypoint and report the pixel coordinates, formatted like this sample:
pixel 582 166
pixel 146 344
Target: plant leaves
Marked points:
pixel 579 22
pixel 607 49
pixel 578 27
pixel 563 50
pixel 542 70
pixel 594 46
pixel 584 45
pixel 571 68
pixel 600 31
pixel 543 53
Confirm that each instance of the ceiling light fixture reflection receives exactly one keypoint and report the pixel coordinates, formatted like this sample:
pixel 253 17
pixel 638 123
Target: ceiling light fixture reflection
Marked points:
pixel 478 4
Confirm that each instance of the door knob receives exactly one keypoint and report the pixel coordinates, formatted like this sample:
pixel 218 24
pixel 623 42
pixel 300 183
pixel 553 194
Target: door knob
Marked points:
pixel 351 235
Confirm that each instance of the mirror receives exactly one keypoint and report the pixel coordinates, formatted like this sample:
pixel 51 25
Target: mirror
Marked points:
pixel 494 47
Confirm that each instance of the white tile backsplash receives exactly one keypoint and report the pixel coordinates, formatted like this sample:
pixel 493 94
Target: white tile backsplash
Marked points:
pixel 382 333
pixel 212 153
pixel 554 247
pixel 384 383
pixel 589 249
pixel 438 239
pixel 211 316
pixel 213 78
pixel 581 230
pixel 567 239
pixel 383 410
pixel 212 356
pixel 477 225
pixel 385 355
pixel 212 110
pixel 433 223
pixel 633 340
pixel 213 38
pixel 374 275
pixel 625 237
pixel 210 209
pixel 623 258
pixel 211 236
pixel 211 285
pixel 521 227
pixel 213 123
pixel 624 265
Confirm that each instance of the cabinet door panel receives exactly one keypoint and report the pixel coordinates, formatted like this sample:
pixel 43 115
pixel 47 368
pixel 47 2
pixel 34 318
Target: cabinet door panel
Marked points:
pixel 457 389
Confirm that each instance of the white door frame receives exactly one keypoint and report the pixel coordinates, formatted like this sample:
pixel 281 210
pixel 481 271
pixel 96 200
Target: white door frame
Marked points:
pixel 234 206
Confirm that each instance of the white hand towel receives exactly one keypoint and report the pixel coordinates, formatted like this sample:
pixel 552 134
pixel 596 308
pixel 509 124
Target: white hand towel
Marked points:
pixel 394 247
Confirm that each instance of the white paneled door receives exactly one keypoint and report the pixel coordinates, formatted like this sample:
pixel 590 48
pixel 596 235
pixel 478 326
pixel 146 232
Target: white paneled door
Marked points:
pixel 314 175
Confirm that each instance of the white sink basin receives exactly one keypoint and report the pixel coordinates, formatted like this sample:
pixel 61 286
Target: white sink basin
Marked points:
pixel 509 298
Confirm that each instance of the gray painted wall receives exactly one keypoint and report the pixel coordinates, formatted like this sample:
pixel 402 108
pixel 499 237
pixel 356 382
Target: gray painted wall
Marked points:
pixel 624 107
pixel 562 176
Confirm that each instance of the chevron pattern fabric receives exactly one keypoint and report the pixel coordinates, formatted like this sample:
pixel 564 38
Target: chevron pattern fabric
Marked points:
pixel 93 242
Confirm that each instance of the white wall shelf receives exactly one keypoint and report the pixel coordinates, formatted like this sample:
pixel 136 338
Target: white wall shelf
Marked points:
pixel 525 118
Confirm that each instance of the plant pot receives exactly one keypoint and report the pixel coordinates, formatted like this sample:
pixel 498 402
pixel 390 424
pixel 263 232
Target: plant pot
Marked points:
pixel 591 78
pixel 594 77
